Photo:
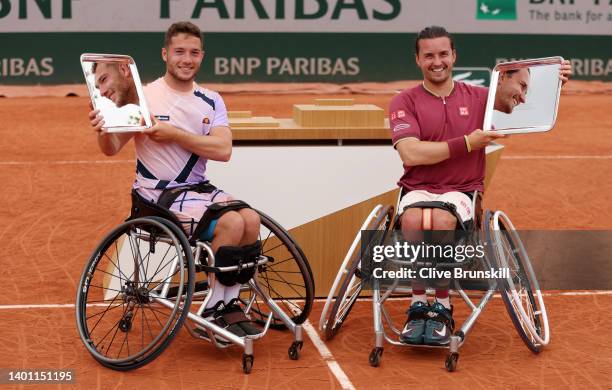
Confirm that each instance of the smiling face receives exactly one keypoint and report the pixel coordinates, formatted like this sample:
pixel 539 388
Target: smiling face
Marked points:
pixel 436 58
pixel 115 83
pixel 183 57
pixel 511 90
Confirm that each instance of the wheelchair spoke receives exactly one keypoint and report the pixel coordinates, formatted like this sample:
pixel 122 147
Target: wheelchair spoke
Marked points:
pixel 104 288
pixel 116 328
pixel 107 309
pixel 277 263
pixel 157 270
pixel 155 315
pixel 281 298
pixel 104 312
pixel 267 250
pixel 285 282
pixel 117 267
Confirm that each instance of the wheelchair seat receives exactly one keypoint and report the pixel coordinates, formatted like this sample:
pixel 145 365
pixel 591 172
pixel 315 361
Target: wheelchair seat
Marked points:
pixel 142 207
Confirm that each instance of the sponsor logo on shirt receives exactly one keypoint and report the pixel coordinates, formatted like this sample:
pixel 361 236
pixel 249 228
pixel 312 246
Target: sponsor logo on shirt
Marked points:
pixel 463 111
pixel 162 117
pixel 393 115
pixel 401 126
pixel 401 113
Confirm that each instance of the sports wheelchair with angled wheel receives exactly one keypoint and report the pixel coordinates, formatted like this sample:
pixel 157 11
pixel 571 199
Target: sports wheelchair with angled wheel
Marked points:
pixel 138 286
pixel 503 249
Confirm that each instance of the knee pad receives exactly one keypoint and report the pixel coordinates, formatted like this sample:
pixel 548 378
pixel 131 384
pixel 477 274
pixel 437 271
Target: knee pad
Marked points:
pixel 228 256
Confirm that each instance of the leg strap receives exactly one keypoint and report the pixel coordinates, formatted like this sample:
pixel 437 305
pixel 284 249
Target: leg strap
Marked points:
pixel 228 256
pixel 436 205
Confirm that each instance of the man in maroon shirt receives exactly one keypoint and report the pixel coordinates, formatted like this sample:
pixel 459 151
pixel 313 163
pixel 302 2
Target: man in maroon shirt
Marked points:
pixel 436 129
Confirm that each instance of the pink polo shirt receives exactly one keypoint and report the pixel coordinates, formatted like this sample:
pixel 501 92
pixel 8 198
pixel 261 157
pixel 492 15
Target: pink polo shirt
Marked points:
pixel 417 113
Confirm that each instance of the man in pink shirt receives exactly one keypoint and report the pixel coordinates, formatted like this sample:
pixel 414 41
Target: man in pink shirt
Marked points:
pixel 190 127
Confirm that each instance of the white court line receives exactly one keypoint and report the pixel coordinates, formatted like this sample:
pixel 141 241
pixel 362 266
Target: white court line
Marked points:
pixel 334 367
pixel 103 162
pixel 559 157
pixel 365 299
pixel 68 162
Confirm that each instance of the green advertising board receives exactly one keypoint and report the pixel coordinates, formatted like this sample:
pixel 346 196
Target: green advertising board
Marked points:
pixel 337 41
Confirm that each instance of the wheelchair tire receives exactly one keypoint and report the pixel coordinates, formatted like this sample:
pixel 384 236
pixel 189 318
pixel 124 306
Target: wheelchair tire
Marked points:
pixel 520 292
pixel 119 312
pixel 286 278
pixel 350 287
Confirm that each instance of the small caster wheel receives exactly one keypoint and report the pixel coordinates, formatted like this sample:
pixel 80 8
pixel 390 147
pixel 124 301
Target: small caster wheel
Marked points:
pixel 294 350
pixel 451 361
pixel 125 325
pixel 375 356
pixel 247 363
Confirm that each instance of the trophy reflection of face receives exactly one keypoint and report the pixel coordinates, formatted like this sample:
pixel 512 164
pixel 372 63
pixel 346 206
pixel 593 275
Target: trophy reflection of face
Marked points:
pixel 115 82
pixel 511 89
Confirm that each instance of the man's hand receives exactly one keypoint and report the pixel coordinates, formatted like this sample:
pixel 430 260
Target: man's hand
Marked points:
pixel 96 120
pixel 479 139
pixel 161 131
pixel 565 71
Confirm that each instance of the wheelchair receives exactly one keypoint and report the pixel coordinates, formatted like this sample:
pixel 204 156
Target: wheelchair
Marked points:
pixel 503 248
pixel 137 288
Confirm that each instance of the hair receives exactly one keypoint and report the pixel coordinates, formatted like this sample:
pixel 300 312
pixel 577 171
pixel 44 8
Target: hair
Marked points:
pixel 432 32
pixel 510 72
pixel 182 28
pixel 94 67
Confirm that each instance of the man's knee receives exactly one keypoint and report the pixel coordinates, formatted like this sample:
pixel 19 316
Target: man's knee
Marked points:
pixel 251 220
pixel 230 224
pixel 443 220
pixel 412 219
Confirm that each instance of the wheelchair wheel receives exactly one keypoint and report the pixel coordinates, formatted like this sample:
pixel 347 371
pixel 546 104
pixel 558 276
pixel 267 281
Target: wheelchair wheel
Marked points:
pixel 122 316
pixel 520 291
pixel 349 278
pixel 286 278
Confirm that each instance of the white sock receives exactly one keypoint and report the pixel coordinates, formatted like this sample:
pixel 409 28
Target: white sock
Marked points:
pixel 231 292
pixel 419 298
pixel 444 301
pixel 217 293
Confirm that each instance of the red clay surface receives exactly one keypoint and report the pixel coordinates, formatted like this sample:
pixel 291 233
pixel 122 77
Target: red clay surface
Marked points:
pixel 56 209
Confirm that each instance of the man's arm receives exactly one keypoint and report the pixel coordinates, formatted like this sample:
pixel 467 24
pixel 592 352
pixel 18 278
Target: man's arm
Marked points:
pixel 109 143
pixel 414 152
pixel 217 145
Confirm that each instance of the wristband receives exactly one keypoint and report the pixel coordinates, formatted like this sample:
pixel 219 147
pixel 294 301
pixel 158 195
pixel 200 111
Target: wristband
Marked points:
pixel 467 144
pixel 457 147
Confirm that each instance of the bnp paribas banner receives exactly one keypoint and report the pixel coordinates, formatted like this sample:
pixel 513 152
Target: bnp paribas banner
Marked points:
pixel 300 40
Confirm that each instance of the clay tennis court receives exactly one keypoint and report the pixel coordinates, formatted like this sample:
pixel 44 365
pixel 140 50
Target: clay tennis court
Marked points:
pixel 60 196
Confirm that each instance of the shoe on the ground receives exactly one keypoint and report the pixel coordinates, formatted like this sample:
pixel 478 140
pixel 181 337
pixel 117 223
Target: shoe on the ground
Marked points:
pixel 234 316
pixel 439 326
pixel 214 314
pixel 415 324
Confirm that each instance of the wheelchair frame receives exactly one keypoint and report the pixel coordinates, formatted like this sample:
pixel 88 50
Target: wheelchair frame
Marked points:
pixel 530 323
pixel 136 291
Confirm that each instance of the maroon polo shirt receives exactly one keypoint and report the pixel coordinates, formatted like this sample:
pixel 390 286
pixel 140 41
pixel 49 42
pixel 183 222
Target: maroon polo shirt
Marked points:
pixel 417 113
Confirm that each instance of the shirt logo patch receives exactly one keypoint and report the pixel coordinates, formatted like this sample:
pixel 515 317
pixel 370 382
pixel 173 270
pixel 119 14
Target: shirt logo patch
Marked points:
pixel 393 115
pixel 401 126
pixel 162 117
pixel 401 113
pixel 206 121
pixel 463 111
